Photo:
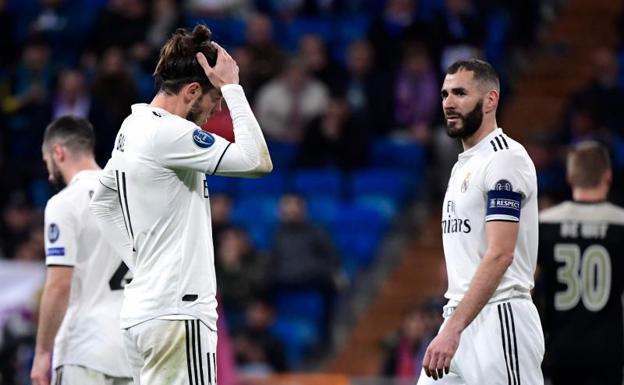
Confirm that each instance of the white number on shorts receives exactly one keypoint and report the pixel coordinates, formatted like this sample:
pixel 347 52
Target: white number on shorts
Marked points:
pixel 591 283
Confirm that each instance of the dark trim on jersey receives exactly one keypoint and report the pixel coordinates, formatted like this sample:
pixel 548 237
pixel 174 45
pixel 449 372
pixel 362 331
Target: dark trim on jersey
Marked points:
pixel 110 188
pixel 123 212
pixel 199 354
pixel 214 364
pixel 125 195
pixel 591 202
pixel 502 220
pixel 193 346
pixel 499 143
pixel 59 265
pixel 209 368
pixel 513 328
pixel 500 318
pixel 188 353
pixel 219 162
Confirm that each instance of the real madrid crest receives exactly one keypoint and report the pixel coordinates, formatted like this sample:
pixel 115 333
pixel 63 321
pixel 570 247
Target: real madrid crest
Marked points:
pixel 464 185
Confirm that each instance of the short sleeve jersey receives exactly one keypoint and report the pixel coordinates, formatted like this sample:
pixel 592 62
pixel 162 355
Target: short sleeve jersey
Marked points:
pixel 89 335
pixel 158 168
pixel 493 181
pixel 580 286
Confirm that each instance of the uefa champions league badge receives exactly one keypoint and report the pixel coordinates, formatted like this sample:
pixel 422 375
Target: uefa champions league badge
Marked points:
pixel 202 138
pixel 464 185
pixel 53 232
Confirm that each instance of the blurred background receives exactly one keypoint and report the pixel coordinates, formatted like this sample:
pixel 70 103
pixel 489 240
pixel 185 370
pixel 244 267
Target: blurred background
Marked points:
pixel 330 270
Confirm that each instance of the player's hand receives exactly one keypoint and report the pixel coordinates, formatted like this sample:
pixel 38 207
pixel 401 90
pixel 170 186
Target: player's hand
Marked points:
pixel 437 361
pixel 225 70
pixel 40 373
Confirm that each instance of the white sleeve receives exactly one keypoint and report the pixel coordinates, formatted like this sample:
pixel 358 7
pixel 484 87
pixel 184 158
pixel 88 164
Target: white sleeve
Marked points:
pixel 249 155
pixel 507 183
pixel 60 234
pixel 181 144
pixel 105 207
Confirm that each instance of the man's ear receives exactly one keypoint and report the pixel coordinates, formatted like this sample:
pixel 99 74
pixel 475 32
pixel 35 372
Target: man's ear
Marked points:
pixel 192 91
pixel 58 152
pixel 491 101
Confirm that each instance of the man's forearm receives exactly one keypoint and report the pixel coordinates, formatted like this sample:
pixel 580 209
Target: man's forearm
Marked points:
pixel 483 284
pixel 51 313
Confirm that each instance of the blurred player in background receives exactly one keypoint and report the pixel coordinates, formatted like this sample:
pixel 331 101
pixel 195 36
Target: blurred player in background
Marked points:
pixel 85 277
pixel 491 333
pixel 153 204
pixel 580 290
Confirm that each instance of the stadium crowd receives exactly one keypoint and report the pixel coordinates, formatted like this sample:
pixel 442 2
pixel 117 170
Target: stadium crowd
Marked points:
pixel 347 93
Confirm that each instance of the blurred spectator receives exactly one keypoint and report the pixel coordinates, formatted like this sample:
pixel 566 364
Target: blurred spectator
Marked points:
pixel 165 18
pixel 395 28
pixel 458 32
pixel 596 107
pixel 28 103
pixel 285 105
pixel 221 213
pixel 31 249
pixel 406 350
pixel 334 140
pixel 416 94
pixel 242 272
pixel 15 228
pixel 317 61
pixel 226 359
pixel 266 58
pixel 114 91
pixel 217 8
pixel 367 90
pixel 547 157
pixel 303 256
pixel 123 24
pixel 62 25
pixel 72 96
pixel 258 351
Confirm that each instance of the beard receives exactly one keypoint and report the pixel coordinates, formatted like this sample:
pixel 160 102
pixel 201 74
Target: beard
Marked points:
pixel 470 123
pixel 56 179
pixel 195 114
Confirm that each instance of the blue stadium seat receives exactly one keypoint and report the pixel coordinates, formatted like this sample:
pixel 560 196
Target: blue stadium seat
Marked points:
pixel 298 337
pixel 386 183
pixel 271 185
pixel 301 304
pixel 221 185
pixel 282 154
pixel 257 215
pixel 322 209
pixel 385 206
pixel 228 31
pixel 289 34
pixel 324 182
pixel 400 154
pixel 346 30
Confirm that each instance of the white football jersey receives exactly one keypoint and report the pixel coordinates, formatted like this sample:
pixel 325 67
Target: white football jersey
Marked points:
pixel 158 168
pixel 492 181
pixel 89 335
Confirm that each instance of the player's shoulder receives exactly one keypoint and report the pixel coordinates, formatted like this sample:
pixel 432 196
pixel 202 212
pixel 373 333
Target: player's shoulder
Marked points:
pixel 583 212
pixel 504 151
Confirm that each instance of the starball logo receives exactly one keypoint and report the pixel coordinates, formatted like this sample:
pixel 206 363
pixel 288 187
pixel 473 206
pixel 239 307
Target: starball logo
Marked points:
pixel 452 224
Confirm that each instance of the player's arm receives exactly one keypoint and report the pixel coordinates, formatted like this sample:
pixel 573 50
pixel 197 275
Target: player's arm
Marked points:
pixel 51 313
pixel 106 209
pixel 249 155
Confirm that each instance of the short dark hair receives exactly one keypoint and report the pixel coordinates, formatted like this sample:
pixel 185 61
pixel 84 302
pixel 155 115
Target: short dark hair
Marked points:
pixel 72 132
pixel 178 65
pixel 587 163
pixel 483 71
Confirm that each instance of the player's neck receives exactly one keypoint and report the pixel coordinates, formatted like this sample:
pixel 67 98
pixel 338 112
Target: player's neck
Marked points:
pixel 170 103
pixel 483 131
pixel 81 164
pixel 588 195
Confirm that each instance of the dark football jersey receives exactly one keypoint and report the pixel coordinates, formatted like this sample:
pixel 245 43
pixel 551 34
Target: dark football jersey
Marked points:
pixel 579 290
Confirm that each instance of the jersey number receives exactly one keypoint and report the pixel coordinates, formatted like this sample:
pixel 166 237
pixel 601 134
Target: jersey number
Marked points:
pixel 118 281
pixel 587 277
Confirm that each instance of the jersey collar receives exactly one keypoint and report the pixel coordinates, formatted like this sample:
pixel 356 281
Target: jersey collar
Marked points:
pixel 144 107
pixel 483 143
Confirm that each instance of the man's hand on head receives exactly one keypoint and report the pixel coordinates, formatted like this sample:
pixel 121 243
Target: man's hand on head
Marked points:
pixel 225 70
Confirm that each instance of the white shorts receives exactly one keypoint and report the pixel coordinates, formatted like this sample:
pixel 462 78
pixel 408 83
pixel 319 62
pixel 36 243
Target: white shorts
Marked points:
pixel 172 352
pixel 80 375
pixel 504 345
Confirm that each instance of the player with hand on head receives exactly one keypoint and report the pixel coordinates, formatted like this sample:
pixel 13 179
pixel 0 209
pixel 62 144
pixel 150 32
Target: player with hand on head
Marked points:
pixel 580 293
pixel 491 332
pixel 79 314
pixel 153 204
